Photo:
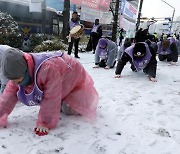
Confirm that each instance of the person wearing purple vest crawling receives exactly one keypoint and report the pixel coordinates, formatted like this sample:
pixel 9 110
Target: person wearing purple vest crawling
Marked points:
pixel 54 81
pixel 167 50
pixel 106 53
pixel 142 57
pixel 127 43
pixel 75 21
pixel 96 34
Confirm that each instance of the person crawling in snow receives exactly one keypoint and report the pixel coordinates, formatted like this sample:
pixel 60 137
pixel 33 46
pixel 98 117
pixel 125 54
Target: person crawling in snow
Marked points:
pixel 3 79
pixel 105 54
pixel 167 50
pixel 141 56
pixel 54 81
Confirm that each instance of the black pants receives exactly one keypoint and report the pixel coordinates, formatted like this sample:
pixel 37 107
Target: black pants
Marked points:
pixel 102 63
pixel 94 38
pixel 89 45
pixel 76 44
pixel 120 40
pixel 165 57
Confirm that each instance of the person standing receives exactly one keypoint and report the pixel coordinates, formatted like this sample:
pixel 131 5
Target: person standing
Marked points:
pixel 96 34
pixel 121 37
pixel 75 21
pixel 26 46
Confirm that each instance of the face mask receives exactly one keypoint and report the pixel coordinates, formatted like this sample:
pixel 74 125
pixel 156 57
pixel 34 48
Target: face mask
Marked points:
pixel 26 80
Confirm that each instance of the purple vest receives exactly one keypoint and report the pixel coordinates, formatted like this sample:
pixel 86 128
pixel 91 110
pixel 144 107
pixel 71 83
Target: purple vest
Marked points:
pixel 160 50
pixel 153 44
pixel 172 39
pixel 73 24
pixel 95 28
pixel 103 53
pixel 36 96
pixel 142 63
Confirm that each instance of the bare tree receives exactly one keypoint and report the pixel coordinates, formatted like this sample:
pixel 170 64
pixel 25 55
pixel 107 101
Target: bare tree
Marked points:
pixel 114 8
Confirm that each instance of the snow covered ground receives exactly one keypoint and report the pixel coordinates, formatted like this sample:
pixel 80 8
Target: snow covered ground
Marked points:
pixel 134 116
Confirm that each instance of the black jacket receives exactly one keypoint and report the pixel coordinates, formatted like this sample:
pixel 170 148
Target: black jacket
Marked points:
pixel 98 34
pixel 174 52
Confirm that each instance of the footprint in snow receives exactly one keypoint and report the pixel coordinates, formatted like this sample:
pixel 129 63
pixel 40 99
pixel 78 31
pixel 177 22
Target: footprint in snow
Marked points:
pixel 163 132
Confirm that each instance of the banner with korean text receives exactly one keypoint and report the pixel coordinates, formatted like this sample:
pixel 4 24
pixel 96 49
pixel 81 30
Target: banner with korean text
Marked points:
pixel 128 26
pixel 128 10
pixel 102 5
pixel 90 15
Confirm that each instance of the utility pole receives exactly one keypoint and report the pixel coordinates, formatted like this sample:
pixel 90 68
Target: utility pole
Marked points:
pixel 172 15
pixel 139 15
pixel 115 17
pixel 44 16
pixel 172 20
pixel 66 15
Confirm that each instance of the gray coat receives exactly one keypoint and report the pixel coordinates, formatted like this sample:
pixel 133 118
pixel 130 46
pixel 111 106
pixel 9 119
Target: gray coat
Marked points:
pixel 3 79
pixel 120 52
pixel 112 53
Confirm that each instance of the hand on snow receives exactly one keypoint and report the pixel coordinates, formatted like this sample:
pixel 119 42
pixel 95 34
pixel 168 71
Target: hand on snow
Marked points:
pixel 41 131
pixel 107 67
pixel 96 66
pixel 152 79
pixel 67 37
pixel 117 76
pixel 3 120
pixel 173 63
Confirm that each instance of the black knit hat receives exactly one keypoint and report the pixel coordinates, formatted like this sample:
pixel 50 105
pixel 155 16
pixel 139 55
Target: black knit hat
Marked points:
pixel 139 50
pixel 141 35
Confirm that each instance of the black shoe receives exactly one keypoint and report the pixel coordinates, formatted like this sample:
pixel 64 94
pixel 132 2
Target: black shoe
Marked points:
pixel 76 56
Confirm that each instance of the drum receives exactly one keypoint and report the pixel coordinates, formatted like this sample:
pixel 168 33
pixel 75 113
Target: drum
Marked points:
pixel 77 31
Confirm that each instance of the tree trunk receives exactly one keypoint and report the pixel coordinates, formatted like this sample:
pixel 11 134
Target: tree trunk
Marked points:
pixel 66 14
pixel 116 14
